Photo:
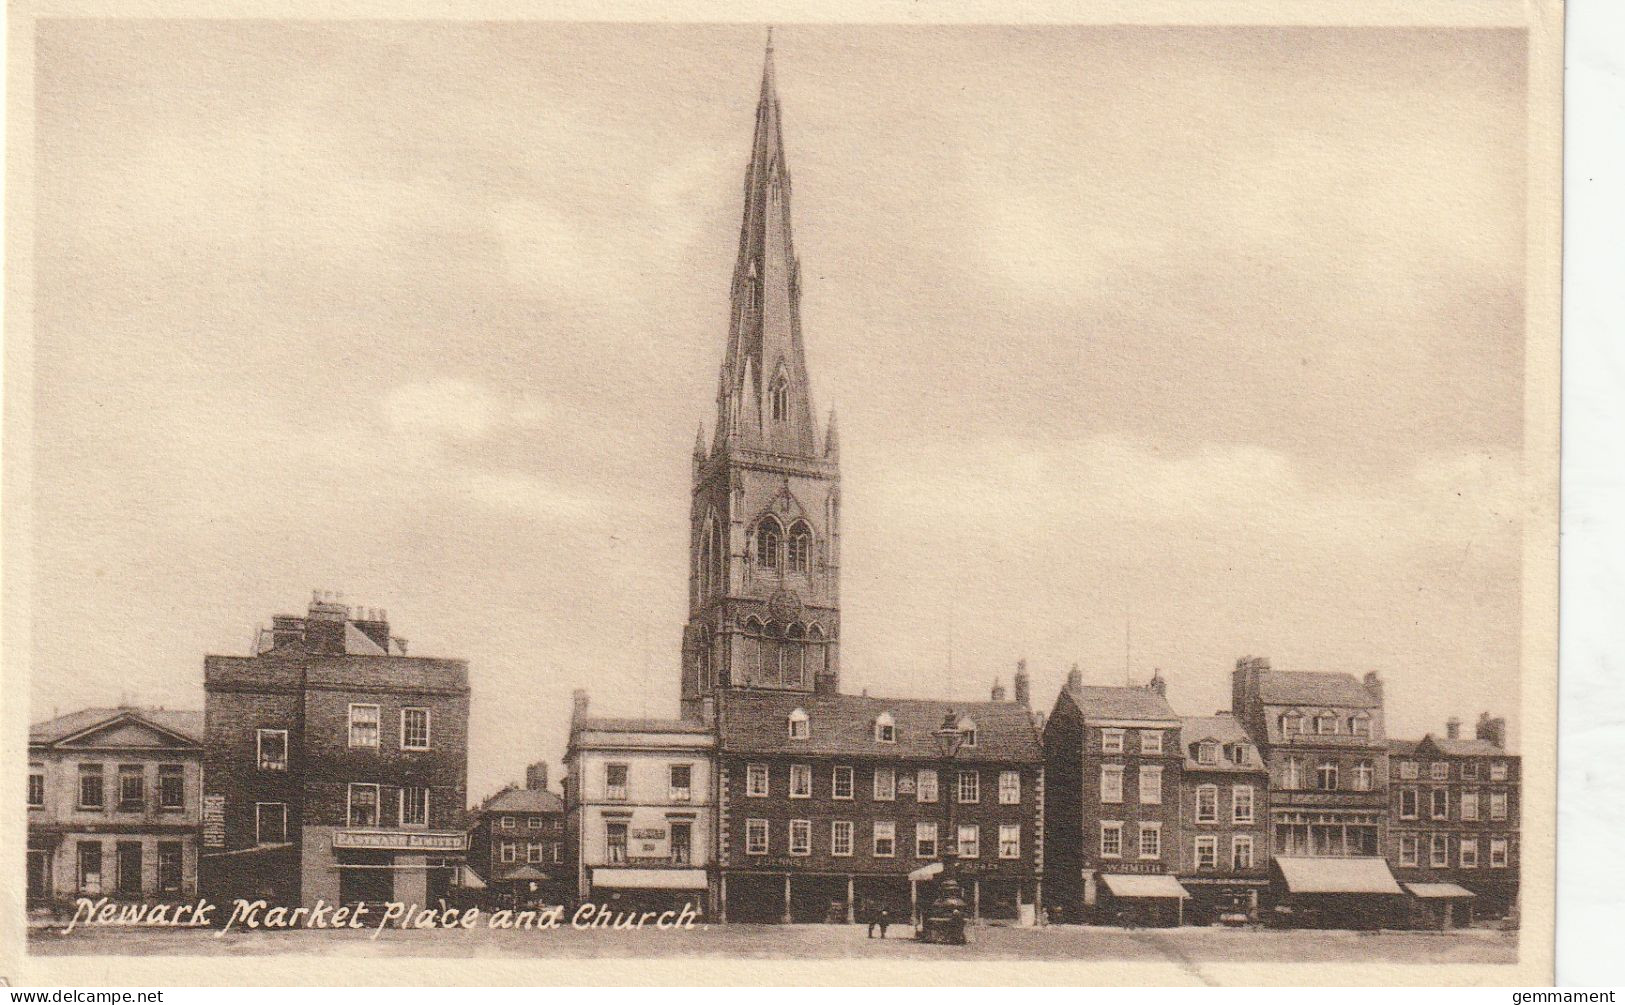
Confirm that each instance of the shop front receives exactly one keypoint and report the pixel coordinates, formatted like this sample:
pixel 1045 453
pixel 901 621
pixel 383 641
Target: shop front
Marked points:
pixel 1220 900
pixel 1439 906
pixel 1141 900
pixel 650 889
pixel 375 867
pixel 1357 893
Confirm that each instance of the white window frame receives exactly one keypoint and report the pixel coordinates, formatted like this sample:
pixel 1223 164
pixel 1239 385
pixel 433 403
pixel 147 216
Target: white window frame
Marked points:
pixel 1439 797
pixel 1150 827
pixel 1415 795
pixel 1469 771
pixel 1365 776
pixel 1466 845
pixel 1469 804
pixel 805 773
pixel 1408 771
pixel 617 793
pixel 533 851
pixel 1112 793
pixel 890 834
pixel 757 827
pixel 1111 827
pixel 1211 793
pixel 975 833
pixel 510 851
pixel 1236 804
pixel 259 823
pixel 1410 850
pixel 428 729
pixel 925 830
pixel 377 804
pixel 836 774
pixel 508 823
pixel 1208 843
pixel 259 749
pixel 1499 807
pixel 970 794
pixel 534 823
pixel 1438 850
pixel 1150 741
pixel 1207 752
pixel 377 727
pixel 1009 788
pixel 679 793
pixel 885 728
pixel 1504 847
pixel 757 773
pixel 1112 741
pixel 400 805
pixel 799 725
pixel 1009 841
pixel 1150 795
pixel 1438 771
pixel 1237 843
pixel 1498 771
pixel 805 828
pixel 36 773
pixel 923 792
pixel 890 774
pixel 835 829
pixel 967 732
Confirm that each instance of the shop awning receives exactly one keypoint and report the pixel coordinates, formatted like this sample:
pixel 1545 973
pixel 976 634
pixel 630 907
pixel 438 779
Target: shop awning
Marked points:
pixel 925 872
pixel 1446 891
pixel 1337 875
pixel 527 874
pixel 1161 885
pixel 649 879
pixel 469 879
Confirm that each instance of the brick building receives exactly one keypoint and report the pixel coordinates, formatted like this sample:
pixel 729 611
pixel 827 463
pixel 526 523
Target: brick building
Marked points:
pixel 1223 797
pixel 516 844
pixel 335 765
pixel 113 798
pixel 1323 739
pixel 639 820
pixel 1453 826
pixel 1113 759
pixel 832 805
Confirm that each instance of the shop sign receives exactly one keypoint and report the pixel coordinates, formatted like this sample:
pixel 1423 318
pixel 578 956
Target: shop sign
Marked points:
pixel 651 843
pixel 401 840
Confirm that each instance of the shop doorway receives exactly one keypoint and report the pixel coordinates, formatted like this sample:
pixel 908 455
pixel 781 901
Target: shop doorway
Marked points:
pixel 129 868
pixel 39 876
pixel 366 878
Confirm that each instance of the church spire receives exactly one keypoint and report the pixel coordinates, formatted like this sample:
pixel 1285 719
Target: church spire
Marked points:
pixel 764 367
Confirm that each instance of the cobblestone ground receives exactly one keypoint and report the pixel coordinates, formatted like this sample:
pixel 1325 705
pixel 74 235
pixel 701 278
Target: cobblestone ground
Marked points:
pixel 1058 942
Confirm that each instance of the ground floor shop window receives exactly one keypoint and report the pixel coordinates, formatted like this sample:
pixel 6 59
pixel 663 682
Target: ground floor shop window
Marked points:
pixel 129 868
pixel 366 877
pixel 90 866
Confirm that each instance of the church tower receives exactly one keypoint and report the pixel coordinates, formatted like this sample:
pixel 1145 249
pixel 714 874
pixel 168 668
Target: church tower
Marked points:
pixel 764 569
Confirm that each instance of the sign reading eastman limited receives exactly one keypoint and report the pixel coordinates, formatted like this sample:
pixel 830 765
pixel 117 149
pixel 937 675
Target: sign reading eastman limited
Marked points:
pixel 401 840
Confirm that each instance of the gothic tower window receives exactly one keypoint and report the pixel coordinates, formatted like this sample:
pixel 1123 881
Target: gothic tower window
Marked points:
pixel 767 544
pixel 800 547
pixel 781 398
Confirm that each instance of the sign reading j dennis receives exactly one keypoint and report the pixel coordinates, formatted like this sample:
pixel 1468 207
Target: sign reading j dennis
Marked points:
pixel 401 840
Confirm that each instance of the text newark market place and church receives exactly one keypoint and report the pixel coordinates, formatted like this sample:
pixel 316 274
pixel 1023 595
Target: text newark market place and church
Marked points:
pixel 331 765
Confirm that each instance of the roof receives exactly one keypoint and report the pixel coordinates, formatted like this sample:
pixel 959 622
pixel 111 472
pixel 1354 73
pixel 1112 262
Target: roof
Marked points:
pixel 1336 875
pixel 1291 687
pixel 1153 885
pixel 1402 747
pixel 1444 890
pixel 1227 731
pixel 1120 702
pixel 515 799
pixel 185 722
pixel 613 725
pixel 1464 748
pixel 844 724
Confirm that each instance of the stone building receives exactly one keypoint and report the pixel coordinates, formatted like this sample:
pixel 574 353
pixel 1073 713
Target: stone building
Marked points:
pixel 1113 760
pixel 1323 740
pixel 1454 821
pixel 113 806
pixel 516 844
pixel 639 811
pixel 832 806
pixel 335 765
pixel 1223 800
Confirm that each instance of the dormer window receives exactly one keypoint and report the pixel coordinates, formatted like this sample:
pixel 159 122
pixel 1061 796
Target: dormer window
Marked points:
pixel 967 732
pixel 1325 724
pixel 1360 724
pixel 800 728
pixel 885 728
pixel 1291 723
pixel 1207 753
pixel 781 398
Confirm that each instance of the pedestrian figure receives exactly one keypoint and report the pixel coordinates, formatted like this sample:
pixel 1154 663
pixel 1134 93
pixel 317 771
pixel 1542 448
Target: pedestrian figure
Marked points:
pixel 883 919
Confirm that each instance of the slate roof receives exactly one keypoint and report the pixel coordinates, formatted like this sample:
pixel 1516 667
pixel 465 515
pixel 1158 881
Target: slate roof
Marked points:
pixel 1120 703
pixel 1465 748
pixel 1404 748
pixel 603 724
pixel 1291 687
pixel 186 722
pixel 1227 730
pixel 516 799
pixel 755 722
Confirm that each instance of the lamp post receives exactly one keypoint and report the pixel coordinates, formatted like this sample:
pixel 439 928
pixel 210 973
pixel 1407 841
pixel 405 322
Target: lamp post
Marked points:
pixel 945 920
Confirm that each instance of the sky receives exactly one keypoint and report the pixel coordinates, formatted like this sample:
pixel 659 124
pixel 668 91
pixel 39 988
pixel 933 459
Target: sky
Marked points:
pixel 1151 348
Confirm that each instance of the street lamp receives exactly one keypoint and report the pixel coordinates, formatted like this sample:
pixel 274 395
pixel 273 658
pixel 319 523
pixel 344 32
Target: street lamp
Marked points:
pixel 945 920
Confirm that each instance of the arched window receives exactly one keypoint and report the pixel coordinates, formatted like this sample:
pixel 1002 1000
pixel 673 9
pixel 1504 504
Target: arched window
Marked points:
pixel 767 544
pixel 885 728
pixel 708 557
pixel 800 555
pixel 967 731
pixel 781 398
pixel 800 729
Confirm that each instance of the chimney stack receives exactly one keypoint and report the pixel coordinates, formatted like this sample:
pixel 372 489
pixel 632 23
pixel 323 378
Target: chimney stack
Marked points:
pixel 1024 685
pixel 1373 687
pixel 1492 729
pixel 997 694
pixel 1157 685
pixel 1074 678
pixel 536 776
pixel 1452 728
pixel 578 699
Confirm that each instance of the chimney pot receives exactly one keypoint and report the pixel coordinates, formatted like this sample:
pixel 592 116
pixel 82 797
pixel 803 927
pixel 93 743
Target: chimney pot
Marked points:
pixel 997 693
pixel 1452 728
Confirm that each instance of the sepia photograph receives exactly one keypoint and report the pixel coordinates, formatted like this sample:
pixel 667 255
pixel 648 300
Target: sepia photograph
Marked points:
pixel 689 501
